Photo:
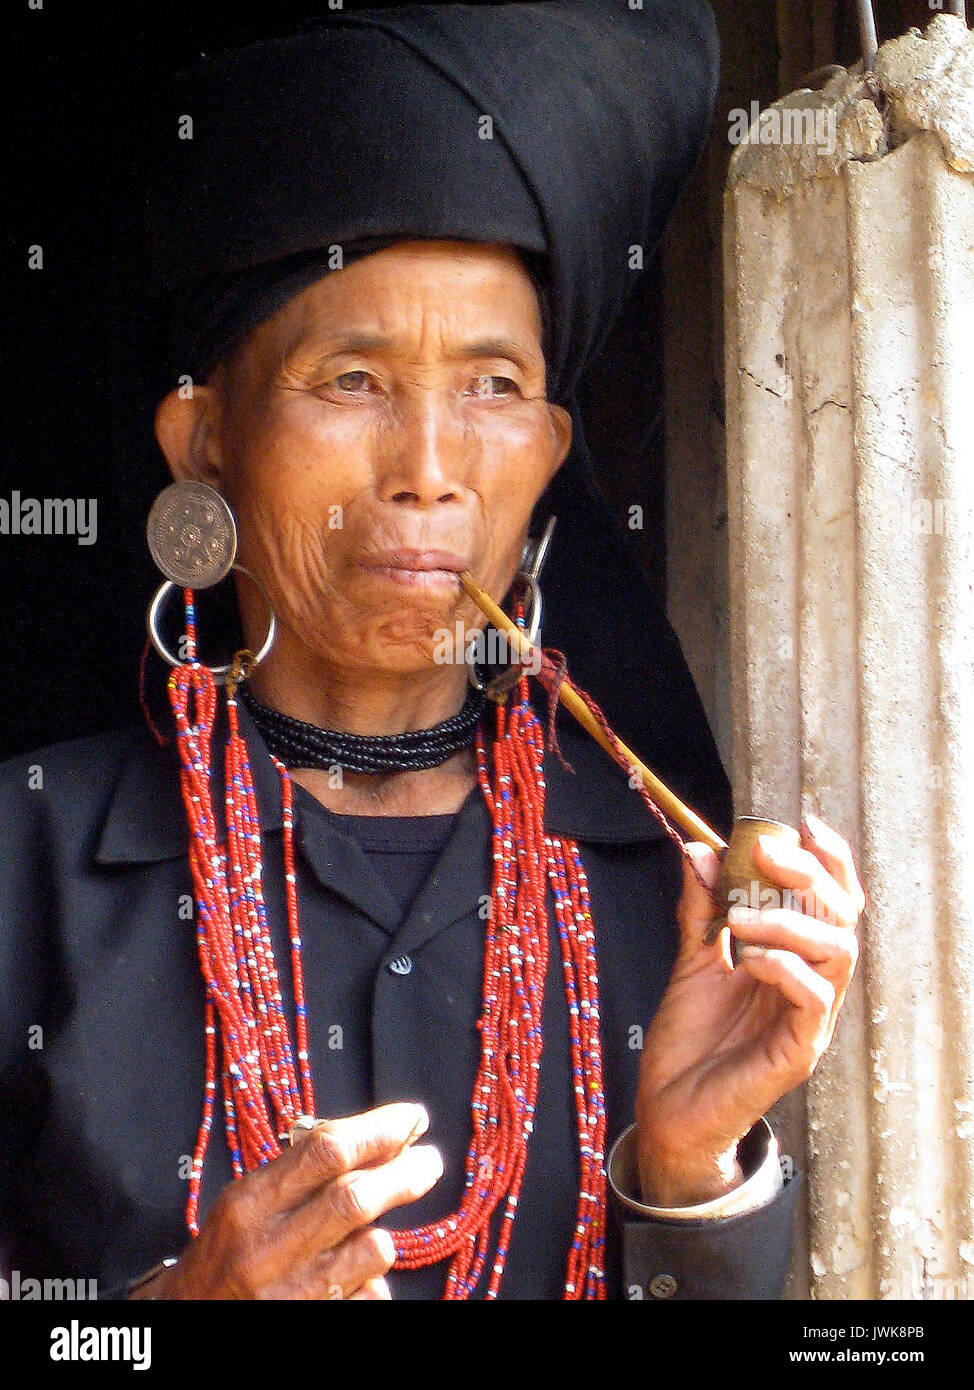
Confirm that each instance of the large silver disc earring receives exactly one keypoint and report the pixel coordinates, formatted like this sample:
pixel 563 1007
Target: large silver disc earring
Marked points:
pixel 532 558
pixel 192 535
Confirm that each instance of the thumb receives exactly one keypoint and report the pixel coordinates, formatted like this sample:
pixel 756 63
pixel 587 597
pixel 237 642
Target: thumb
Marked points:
pixel 697 907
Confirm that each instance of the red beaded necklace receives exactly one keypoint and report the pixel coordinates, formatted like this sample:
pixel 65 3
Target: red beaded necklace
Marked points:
pixel 261 1090
pixel 515 965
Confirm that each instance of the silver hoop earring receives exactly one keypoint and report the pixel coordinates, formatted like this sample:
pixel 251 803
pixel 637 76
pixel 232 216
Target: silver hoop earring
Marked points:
pixel 532 558
pixel 219 673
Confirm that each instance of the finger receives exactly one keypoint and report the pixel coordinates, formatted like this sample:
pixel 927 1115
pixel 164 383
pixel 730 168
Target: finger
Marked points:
pixel 820 943
pixel 373 1289
pixel 341 1146
pixel 356 1199
pixel 815 891
pixel 794 978
pixel 834 852
pixel 697 906
pixel 365 1256
pixel 795 1051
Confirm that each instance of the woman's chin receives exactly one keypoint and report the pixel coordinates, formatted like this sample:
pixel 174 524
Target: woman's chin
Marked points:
pixel 409 642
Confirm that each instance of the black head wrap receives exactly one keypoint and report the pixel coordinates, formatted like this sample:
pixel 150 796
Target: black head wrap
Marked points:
pixel 565 129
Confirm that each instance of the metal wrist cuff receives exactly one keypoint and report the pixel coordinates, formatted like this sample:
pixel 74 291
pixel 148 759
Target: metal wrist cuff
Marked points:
pixel 760 1185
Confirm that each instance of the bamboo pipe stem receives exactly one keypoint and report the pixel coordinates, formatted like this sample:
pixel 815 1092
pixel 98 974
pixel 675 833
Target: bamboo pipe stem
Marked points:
pixel 667 801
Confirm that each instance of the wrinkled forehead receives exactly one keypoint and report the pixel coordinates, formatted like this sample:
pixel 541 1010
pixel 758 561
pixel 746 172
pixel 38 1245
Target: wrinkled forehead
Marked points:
pixel 212 325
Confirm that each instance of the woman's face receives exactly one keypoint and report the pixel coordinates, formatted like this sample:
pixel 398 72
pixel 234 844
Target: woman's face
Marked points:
pixel 393 410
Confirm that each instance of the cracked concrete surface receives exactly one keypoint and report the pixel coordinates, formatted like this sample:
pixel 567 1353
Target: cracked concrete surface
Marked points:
pixel 921 82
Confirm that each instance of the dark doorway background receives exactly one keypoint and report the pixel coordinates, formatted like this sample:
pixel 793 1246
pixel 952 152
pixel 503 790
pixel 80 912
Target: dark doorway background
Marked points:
pixel 85 351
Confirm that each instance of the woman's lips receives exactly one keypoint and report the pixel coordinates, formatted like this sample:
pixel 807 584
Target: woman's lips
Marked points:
pixel 416 568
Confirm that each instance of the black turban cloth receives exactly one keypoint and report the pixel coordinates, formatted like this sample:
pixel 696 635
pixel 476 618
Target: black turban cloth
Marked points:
pixel 565 129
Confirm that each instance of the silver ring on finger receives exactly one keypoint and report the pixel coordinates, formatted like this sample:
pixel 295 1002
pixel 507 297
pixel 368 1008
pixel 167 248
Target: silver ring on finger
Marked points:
pixel 304 1124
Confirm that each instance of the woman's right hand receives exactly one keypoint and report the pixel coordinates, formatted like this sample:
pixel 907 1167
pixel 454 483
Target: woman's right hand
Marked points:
pixel 300 1227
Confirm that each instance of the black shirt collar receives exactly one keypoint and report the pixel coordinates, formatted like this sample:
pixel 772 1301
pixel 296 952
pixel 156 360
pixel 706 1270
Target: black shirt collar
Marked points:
pixel 146 820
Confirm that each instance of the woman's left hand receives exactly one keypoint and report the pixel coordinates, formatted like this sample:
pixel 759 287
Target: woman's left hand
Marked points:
pixel 726 1043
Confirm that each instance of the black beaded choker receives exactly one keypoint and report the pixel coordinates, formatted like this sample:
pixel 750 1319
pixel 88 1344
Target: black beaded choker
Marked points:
pixel 299 744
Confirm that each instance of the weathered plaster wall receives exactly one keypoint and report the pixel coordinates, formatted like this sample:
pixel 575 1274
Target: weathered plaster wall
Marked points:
pixel 849 293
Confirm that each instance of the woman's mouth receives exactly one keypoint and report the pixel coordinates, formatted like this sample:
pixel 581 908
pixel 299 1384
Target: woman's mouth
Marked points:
pixel 423 569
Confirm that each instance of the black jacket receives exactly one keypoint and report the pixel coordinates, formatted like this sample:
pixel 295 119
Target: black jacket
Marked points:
pixel 101 1016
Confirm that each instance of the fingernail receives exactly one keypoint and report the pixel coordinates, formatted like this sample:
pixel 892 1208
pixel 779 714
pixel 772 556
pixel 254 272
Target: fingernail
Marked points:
pixel 739 915
pixel 419 1128
pixel 770 846
pixel 388 1242
pixel 815 826
pixel 748 951
pixel 428 1160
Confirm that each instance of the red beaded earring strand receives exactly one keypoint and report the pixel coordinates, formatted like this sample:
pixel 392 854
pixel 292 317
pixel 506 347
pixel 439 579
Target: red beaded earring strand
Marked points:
pixel 243 994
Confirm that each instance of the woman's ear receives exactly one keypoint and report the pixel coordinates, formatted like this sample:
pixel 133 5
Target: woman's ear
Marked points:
pixel 561 424
pixel 187 428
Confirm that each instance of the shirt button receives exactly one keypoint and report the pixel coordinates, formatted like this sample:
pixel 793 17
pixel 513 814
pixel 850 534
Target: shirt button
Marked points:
pixel 662 1286
pixel 401 965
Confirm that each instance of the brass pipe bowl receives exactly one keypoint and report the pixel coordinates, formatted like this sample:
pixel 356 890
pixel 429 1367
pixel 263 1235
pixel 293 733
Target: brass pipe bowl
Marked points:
pixel 739 880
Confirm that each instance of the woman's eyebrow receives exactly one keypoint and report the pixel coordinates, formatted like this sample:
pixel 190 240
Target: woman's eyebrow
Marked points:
pixel 496 347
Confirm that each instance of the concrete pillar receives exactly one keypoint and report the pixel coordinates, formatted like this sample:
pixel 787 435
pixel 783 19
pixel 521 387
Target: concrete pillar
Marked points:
pixel 849 323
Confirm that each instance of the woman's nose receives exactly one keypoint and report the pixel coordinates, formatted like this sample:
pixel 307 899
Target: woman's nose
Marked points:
pixel 425 458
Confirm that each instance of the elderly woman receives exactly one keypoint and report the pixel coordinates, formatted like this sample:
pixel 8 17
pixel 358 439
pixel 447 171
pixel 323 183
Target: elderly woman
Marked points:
pixel 481 958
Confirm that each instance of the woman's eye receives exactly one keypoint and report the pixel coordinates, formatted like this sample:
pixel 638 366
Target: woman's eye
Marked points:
pixel 487 386
pixel 352 381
